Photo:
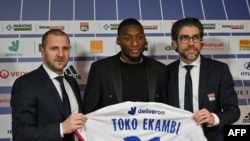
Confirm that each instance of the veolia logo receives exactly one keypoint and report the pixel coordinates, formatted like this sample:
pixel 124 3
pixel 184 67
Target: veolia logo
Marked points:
pixel 5 74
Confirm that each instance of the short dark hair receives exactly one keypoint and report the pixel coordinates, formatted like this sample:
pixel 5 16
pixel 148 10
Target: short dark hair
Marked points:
pixel 126 22
pixel 58 32
pixel 189 21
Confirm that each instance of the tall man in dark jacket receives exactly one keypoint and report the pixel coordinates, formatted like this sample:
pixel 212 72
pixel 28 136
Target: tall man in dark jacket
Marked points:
pixel 214 99
pixel 126 76
pixel 38 113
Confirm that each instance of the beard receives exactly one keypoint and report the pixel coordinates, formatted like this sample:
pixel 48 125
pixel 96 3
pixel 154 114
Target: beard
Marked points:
pixel 190 57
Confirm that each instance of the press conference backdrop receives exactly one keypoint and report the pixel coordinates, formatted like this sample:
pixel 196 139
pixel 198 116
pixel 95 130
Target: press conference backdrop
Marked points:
pixel 92 27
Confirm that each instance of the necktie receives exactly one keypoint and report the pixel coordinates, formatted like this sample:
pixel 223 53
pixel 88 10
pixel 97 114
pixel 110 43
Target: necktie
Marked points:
pixel 188 103
pixel 65 98
pixel 66 104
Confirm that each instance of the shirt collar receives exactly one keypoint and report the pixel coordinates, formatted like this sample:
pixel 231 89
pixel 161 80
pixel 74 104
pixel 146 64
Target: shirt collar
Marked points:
pixel 51 74
pixel 196 63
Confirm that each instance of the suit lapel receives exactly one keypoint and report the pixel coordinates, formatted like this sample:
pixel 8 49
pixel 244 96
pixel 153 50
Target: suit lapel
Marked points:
pixel 204 75
pixel 175 83
pixel 50 87
pixel 151 79
pixel 75 91
pixel 115 71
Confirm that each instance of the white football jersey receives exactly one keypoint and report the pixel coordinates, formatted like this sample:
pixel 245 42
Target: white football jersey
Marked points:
pixel 140 121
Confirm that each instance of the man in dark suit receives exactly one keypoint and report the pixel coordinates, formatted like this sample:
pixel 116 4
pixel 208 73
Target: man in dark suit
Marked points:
pixel 214 99
pixel 126 76
pixel 38 113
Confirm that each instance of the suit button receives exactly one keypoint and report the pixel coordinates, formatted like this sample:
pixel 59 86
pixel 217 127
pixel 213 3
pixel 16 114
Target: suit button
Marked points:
pixel 110 96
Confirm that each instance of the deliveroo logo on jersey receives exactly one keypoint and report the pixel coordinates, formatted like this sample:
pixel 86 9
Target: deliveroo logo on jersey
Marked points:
pixel 132 111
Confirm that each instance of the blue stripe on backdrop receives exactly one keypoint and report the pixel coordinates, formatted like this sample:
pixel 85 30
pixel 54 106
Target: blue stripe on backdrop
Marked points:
pixel 171 9
pixel 224 56
pixel 9 36
pixel 158 57
pixel 128 9
pixel 150 10
pixel 84 10
pixel 5 110
pixel 7 139
pixel 243 55
pixel 84 35
pixel 192 8
pixel 5 90
pixel 8 60
pixel 114 35
pixel 10 10
pixel 243 102
pixel 241 34
pixel 35 10
pixel 37 59
pixel 246 83
pixel 61 10
pixel 237 9
pixel 105 10
pixel 214 11
pixel 238 83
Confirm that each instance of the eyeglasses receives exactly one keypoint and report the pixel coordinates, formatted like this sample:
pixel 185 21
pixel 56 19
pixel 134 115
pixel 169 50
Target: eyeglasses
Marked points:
pixel 185 38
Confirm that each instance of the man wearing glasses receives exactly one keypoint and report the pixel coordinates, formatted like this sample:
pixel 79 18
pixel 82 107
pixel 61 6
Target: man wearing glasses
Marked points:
pixel 212 100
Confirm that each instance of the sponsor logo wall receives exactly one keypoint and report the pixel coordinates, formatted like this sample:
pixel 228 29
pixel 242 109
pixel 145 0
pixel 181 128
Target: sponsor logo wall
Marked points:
pixel 226 39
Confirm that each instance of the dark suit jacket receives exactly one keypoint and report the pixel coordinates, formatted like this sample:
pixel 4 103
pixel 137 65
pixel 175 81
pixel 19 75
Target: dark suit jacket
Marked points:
pixel 104 85
pixel 37 108
pixel 215 80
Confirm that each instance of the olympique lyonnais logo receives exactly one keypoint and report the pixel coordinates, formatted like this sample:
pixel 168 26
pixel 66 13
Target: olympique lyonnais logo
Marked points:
pixel 84 26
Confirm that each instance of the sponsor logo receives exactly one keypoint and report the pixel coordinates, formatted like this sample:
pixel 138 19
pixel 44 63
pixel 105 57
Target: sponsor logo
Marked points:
pixel 213 45
pixel 169 47
pixel 4 100
pixel 150 27
pixel 72 72
pixel 209 26
pixel 133 111
pixel 19 27
pixel 111 26
pixel 235 26
pixel 96 46
pixel 6 74
pixel 14 48
pixel 9 27
pixel 84 26
pixel 244 45
pixel 61 27
pixel 247 65
pixel 246 118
